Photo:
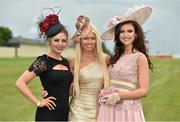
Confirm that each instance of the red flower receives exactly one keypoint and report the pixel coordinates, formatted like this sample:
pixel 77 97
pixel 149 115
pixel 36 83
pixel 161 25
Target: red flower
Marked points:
pixel 52 19
pixel 43 26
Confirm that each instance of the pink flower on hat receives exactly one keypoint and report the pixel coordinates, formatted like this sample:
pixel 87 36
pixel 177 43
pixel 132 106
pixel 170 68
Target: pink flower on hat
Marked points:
pixel 113 21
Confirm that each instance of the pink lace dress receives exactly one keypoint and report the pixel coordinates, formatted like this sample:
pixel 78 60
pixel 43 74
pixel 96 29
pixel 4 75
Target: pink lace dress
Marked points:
pixel 123 75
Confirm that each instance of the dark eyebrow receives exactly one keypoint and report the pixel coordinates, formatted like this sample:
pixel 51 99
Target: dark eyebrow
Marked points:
pixel 130 30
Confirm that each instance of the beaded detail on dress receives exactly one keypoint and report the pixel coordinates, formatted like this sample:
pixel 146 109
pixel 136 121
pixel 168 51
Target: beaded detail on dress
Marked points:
pixel 125 68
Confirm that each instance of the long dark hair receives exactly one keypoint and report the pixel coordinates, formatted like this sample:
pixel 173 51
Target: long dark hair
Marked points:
pixel 138 44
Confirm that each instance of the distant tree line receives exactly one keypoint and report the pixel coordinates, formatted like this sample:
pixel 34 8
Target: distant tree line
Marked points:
pixel 5 35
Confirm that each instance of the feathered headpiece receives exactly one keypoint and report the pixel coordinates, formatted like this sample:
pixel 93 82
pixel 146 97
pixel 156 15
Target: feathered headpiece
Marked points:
pixel 82 26
pixel 48 18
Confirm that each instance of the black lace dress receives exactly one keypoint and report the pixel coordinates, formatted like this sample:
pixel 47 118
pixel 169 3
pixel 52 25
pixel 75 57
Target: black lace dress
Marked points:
pixel 56 83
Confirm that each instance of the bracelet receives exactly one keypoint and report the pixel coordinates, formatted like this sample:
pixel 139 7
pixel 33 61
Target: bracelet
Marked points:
pixel 38 103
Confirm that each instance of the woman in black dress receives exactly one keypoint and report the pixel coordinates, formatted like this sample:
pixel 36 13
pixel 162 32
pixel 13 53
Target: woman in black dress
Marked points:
pixel 53 71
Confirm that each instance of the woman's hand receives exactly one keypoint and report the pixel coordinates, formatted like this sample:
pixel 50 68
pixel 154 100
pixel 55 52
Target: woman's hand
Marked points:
pixel 44 93
pixel 48 102
pixel 113 99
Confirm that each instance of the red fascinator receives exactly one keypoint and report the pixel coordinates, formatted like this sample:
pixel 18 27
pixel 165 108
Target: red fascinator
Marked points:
pixel 47 19
pixel 50 20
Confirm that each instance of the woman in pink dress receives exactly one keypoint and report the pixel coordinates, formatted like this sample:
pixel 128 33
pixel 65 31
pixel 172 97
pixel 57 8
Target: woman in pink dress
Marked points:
pixel 128 69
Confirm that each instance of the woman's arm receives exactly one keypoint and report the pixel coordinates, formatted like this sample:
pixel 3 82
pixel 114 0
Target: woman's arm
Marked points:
pixel 21 85
pixel 71 65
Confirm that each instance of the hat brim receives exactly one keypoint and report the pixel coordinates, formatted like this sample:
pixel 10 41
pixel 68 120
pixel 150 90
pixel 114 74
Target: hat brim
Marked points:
pixel 140 16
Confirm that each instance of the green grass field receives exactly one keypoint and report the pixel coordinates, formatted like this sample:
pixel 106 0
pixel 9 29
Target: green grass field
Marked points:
pixel 163 100
pixel 161 104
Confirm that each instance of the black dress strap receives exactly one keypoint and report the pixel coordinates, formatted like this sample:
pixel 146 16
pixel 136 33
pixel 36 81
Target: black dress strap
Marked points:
pixel 65 62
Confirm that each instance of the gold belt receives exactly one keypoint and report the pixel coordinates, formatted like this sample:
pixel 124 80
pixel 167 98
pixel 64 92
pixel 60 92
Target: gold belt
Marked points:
pixel 123 84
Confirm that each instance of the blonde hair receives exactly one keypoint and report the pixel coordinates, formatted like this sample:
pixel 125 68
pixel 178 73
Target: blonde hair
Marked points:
pixel 101 60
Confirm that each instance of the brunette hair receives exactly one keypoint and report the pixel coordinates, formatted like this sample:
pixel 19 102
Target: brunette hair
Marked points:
pixel 138 44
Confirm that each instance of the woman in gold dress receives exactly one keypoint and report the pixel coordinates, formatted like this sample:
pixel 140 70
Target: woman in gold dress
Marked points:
pixel 90 72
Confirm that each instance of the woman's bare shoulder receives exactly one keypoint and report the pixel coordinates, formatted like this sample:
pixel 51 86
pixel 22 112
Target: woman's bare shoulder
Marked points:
pixel 71 61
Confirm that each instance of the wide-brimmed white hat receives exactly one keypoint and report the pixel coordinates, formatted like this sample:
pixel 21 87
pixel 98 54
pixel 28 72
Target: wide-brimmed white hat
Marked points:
pixel 138 13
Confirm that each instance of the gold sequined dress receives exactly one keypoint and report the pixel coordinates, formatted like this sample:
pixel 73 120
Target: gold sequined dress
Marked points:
pixel 84 108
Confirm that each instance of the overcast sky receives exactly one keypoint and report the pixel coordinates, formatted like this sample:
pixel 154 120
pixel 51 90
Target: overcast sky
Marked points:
pixel 163 26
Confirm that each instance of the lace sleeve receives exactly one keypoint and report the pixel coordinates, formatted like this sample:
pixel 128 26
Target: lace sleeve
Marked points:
pixel 38 67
